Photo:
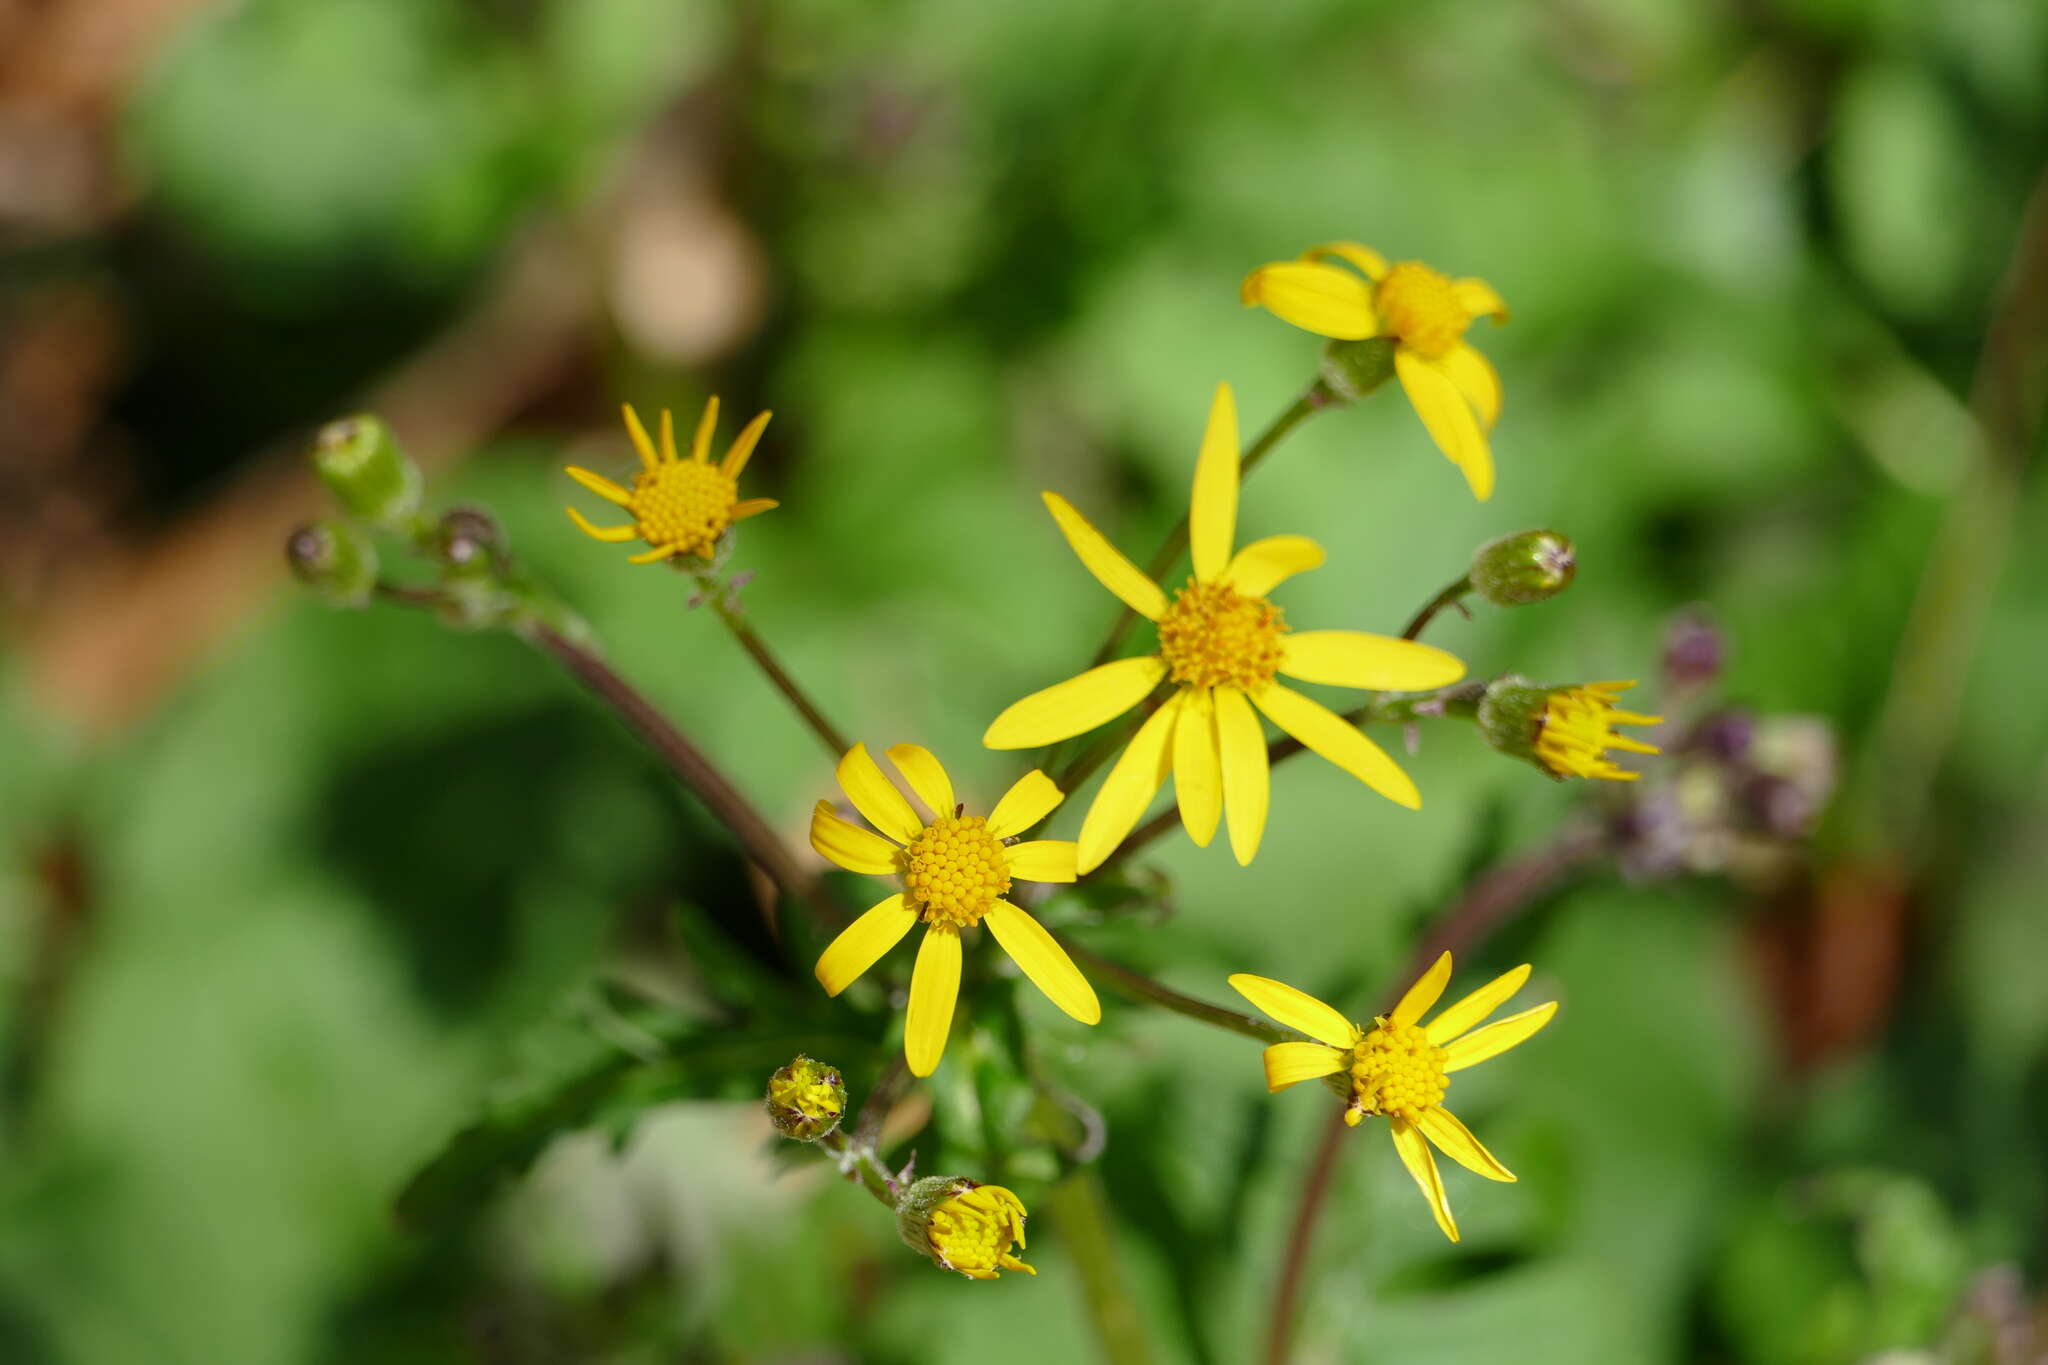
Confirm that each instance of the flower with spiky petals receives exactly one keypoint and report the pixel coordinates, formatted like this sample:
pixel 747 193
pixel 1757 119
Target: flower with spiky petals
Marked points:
pixel 1577 732
pixel 1221 645
pixel 956 869
pixel 1400 1067
pixel 678 506
pixel 964 1226
pixel 1424 312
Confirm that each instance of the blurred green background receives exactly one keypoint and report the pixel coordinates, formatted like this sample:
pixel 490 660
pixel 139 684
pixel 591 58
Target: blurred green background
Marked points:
pixel 290 897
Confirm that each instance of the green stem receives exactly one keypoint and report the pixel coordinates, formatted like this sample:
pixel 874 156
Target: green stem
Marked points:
pixel 1450 596
pixel 859 1162
pixel 1145 989
pixel 1080 1206
pixel 715 594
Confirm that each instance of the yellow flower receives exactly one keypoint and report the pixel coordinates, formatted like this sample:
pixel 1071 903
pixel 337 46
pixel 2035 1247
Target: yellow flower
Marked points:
pixel 1578 728
pixel 964 1225
pixel 678 506
pixel 955 870
pixel 1425 313
pixel 1220 645
pixel 1401 1067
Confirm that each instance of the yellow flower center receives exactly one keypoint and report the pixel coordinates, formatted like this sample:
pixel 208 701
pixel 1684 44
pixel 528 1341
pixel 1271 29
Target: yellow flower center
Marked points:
pixel 1397 1071
pixel 684 504
pixel 1418 305
pixel 1214 636
pixel 1577 730
pixel 955 870
pixel 973 1232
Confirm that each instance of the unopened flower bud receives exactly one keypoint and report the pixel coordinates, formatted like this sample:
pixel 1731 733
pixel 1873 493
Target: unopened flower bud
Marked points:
pixel 1565 731
pixel 1726 736
pixel 1354 369
pixel 1526 567
pixel 806 1099
pixel 469 542
pixel 963 1225
pixel 335 559
pixel 1693 650
pixel 365 469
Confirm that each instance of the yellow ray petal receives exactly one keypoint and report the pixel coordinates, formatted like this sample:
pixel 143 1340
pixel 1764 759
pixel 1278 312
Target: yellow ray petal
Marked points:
pixel 1105 561
pixel 1030 799
pixel 1448 417
pixel 600 485
pixel 1354 658
pixel 1044 961
pixel 1326 732
pixel 1295 1008
pixel 1292 1063
pixel 876 797
pixel 743 446
pixel 934 987
pixel 1212 508
pixel 1369 262
pixel 850 846
pixel 1265 564
pixel 1324 299
pixel 1473 1009
pixel 655 555
pixel 1496 1038
pixel 1247 784
pixel 861 944
pixel 1197 769
pixel 1474 376
pixel 1478 298
pixel 1415 1155
pixel 1080 703
pixel 610 535
pixel 700 444
pixel 1441 1126
pixel 1427 990
pixel 668 435
pixel 926 776
pixel 752 507
pixel 1042 860
pixel 641 445
pixel 1129 788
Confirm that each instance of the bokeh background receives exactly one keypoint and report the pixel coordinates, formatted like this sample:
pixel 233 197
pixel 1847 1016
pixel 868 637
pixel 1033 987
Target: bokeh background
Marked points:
pixel 290 897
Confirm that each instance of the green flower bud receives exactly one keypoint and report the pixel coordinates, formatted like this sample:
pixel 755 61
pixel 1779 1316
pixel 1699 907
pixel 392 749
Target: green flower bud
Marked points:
pixel 366 470
pixel 469 543
pixel 963 1225
pixel 335 559
pixel 1354 369
pixel 1528 566
pixel 1511 716
pixel 806 1099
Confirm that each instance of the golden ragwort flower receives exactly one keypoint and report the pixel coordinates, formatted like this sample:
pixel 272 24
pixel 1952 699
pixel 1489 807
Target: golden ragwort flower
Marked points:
pixel 1401 1067
pixel 678 506
pixel 1577 731
pixel 1425 313
pixel 956 869
pixel 1221 643
pixel 964 1226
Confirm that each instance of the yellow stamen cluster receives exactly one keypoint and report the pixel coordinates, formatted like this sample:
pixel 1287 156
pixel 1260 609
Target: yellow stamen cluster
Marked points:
pixel 684 505
pixel 955 870
pixel 974 1231
pixel 1395 1070
pixel 1577 730
pixel 1418 305
pixel 1214 636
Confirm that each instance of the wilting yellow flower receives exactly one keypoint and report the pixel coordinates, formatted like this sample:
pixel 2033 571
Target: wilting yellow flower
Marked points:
pixel 1425 313
pixel 678 506
pixel 1220 645
pixel 1577 730
pixel 956 870
pixel 1401 1067
pixel 964 1225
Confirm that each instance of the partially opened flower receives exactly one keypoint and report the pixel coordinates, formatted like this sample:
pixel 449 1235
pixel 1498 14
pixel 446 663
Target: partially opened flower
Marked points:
pixel 1565 731
pixel 1401 1067
pixel 1221 646
pixel 964 1226
pixel 1424 312
pixel 956 868
pixel 677 506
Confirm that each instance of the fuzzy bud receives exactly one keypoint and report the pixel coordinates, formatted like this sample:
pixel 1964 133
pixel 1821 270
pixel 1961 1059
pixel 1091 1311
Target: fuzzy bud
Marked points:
pixel 1511 715
pixel 806 1099
pixel 364 468
pixel 1526 567
pixel 1354 369
pixel 963 1225
pixel 335 559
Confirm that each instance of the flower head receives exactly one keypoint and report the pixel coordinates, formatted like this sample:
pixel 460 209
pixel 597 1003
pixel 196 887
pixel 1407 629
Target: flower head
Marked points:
pixel 1400 1067
pixel 964 1225
pixel 1424 312
pixel 955 868
pixel 806 1099
pixel 678 506
pixel 1222 647
pixel 1565 731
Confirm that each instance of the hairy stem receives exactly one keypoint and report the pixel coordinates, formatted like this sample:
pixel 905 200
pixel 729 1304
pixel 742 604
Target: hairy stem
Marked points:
pixel 857 1161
